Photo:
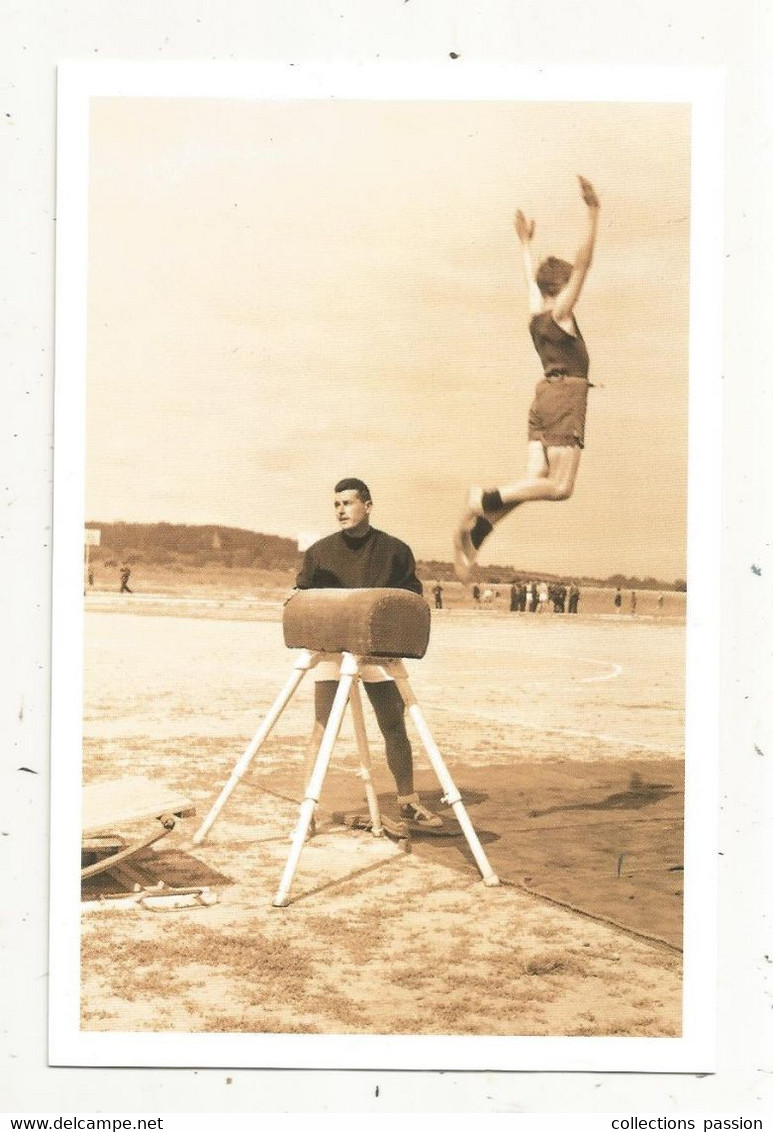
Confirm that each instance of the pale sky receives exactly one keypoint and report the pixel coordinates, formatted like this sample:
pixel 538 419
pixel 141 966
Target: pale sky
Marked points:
pixel 285 293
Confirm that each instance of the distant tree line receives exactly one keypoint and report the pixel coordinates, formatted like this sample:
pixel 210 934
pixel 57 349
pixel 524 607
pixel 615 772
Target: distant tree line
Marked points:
pixel 165 544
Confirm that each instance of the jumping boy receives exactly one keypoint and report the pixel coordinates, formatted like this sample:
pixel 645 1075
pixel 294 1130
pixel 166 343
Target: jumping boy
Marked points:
pixel 557 414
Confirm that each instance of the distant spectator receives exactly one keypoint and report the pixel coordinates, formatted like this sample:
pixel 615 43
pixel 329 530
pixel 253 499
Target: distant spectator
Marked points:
pixel 574 597
pixel 633 601
pixel 533 597
pixel 559 598
pixel 476 593
pixel 437 591
pixel 514 588
pixel 618 599
pixel 660 602
pixel 542 597
pixel 125 575
pixel 91 578
pixel 488 595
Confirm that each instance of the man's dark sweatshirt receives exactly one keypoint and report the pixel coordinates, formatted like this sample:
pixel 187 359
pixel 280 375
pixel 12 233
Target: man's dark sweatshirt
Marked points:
pixel 372 560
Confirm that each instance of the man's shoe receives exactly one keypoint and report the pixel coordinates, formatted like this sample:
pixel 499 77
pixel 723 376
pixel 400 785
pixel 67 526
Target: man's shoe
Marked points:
pixel 417 816
pixel 397 830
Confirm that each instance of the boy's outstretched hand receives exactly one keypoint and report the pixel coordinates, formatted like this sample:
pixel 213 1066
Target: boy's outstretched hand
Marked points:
pixel 524 228
pixel 588 193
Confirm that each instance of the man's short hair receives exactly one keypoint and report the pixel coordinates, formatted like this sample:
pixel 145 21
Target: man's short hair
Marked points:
pixel 353 484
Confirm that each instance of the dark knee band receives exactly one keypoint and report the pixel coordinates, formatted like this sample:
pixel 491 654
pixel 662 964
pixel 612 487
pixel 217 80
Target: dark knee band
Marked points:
pixel 492 501
pixel 480 532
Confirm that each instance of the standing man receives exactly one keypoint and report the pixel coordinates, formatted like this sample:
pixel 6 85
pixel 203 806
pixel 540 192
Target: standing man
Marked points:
pixel 125 575
pixel 514 587
pixel 437 591
pixel 574 597
pixel 358 556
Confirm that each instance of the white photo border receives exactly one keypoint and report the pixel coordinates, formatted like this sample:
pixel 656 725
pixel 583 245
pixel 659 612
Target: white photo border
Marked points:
pixel 703 90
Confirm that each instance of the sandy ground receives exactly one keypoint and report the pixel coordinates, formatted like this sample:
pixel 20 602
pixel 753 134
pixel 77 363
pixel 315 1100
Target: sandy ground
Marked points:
pixel 376 940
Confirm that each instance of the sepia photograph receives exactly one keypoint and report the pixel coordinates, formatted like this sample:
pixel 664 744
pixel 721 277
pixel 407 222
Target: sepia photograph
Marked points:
pixel 385 606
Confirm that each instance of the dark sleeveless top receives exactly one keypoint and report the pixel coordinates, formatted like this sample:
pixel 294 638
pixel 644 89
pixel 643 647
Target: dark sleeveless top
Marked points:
pixel 560 353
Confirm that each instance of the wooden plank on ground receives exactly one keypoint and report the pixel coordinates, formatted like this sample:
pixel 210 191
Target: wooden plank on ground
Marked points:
pixel 112 804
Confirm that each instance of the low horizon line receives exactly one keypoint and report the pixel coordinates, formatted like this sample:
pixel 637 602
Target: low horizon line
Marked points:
pixel 513 570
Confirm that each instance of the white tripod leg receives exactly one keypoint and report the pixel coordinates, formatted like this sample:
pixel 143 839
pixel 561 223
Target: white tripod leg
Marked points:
pixel 305 661
pixel 365 766
pixel 396 668
pixel 314 788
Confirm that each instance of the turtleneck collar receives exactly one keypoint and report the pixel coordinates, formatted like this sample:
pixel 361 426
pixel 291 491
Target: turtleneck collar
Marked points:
pixel 357 540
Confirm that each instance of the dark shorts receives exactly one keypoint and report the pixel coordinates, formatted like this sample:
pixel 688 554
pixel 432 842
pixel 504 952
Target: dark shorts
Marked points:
pixel 557 413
